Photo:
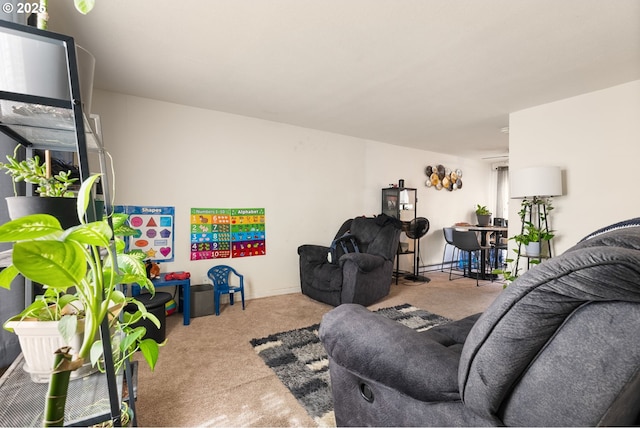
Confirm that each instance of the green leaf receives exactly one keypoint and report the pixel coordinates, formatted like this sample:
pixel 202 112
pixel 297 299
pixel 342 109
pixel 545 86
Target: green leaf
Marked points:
pixel 132 269
pixel 96 352
pixel 153 319
pixel 118 297
pixel 84 6
pixel 29 227
pixel 96 233
pixel 118 220
pixel 120 226
pixel 7 275
pixel 84 194
pixel 132 337
pixel 120 245
pixel 130 318
pixel 68 326
pixel 66 299
pixel 150 351
pixel 54 263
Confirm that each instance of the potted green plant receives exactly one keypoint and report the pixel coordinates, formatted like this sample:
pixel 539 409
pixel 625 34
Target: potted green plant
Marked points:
pixel 79 265
pixel 483 214
pixel 54 192
pixel 532 237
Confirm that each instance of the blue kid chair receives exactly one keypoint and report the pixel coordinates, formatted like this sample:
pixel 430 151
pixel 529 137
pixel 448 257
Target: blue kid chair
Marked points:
pixel 220 277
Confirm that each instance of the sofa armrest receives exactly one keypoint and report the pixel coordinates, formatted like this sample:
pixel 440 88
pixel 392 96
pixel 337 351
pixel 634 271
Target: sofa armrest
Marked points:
pixel 375 347
pixel 314 253
pixel 365 262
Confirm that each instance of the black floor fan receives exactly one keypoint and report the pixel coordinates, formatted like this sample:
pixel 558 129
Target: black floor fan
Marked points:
pixel 416 229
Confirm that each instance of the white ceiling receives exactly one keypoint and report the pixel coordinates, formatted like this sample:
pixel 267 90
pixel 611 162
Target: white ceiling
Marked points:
pixel 439 75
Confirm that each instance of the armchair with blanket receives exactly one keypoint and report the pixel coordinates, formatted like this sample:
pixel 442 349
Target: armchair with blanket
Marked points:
pixel 362 277
pixel 559 347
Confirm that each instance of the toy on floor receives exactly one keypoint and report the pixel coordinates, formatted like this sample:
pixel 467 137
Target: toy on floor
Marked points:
pixel 170 307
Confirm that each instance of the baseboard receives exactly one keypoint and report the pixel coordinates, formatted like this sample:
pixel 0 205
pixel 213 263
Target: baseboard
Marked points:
pixel 438 267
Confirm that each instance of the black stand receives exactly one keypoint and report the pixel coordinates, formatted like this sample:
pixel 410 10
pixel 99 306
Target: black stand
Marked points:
pixel 537 204
pixel 416 277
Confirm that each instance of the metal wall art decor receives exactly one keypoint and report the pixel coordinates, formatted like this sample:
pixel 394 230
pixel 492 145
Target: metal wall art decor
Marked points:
pixel 439 177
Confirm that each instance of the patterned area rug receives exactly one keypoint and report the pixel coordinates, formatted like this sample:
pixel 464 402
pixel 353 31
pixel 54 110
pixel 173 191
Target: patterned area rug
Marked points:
pixel 300 361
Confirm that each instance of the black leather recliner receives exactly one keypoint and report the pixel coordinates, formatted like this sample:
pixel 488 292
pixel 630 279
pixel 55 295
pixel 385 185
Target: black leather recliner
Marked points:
pixel 559 347
pixel 362 277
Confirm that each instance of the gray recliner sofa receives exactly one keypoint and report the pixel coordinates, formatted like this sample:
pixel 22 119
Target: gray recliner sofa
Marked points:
pixel 559 347
pixel 362 277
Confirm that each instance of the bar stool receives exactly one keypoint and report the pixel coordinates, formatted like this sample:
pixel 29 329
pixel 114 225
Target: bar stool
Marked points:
pixel 448 238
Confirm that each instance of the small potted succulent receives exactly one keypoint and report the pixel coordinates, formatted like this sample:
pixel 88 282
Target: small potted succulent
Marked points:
pixel 55 192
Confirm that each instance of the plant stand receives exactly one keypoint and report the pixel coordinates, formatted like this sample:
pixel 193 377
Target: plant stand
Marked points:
pixel 537 209
pixel 58 123
pixel 23 400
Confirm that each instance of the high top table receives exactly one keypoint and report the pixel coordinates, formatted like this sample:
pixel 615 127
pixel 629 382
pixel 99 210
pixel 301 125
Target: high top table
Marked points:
pixel 484 232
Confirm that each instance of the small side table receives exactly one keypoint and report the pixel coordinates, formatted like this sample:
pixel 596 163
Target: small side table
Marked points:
pixel 186 293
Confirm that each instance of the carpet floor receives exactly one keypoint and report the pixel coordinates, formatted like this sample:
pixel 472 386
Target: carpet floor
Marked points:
pixel 300 361
pixel 208 374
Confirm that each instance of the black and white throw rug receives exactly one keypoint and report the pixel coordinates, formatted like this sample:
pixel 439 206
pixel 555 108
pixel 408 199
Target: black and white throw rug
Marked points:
pixel 301 363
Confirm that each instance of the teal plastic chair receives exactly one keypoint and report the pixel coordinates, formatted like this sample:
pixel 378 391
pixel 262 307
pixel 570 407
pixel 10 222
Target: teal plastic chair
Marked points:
pixel 220 275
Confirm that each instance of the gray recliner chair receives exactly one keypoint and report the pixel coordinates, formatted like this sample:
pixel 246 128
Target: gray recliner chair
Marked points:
pixel 559 347
pixel 362 277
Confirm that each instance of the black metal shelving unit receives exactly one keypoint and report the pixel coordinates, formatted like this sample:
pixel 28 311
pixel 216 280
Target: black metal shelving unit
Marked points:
pixel 393 205
pixel 41 122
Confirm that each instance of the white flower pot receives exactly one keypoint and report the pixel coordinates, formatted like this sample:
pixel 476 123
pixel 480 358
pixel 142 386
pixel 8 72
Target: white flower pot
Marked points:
pixel 533 249
pixel 38 341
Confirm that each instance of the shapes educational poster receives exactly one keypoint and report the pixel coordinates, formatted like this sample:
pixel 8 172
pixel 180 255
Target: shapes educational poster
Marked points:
pixel 154 231
pixel 227 232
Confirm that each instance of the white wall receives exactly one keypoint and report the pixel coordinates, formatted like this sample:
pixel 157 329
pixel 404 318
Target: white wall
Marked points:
pixel 387 164
pixel 308 181
pixel 595 139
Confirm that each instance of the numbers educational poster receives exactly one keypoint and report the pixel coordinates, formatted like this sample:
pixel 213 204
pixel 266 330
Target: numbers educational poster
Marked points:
pixel 210 233
pixel 154 230
pixel 227 232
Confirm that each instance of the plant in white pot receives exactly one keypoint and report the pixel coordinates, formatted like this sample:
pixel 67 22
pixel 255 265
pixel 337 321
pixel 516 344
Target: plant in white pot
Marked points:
pixel 532 238
pixel 533 235
pixel 79 264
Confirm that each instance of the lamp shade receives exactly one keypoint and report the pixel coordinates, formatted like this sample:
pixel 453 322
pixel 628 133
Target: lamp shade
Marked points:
pixel 404 196
pixel 536 181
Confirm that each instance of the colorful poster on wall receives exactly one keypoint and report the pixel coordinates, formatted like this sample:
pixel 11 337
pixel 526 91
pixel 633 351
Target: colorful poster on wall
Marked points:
pixel 218 233
pixel 154 231
pixel 210 237
pixel 248 232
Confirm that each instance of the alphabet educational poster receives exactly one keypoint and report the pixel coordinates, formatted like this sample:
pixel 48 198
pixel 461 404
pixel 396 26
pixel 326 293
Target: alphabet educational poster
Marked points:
pixel 154 231
pixel 227 232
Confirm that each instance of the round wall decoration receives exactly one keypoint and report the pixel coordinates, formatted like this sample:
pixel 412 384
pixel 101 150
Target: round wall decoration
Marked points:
pixel 439 177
